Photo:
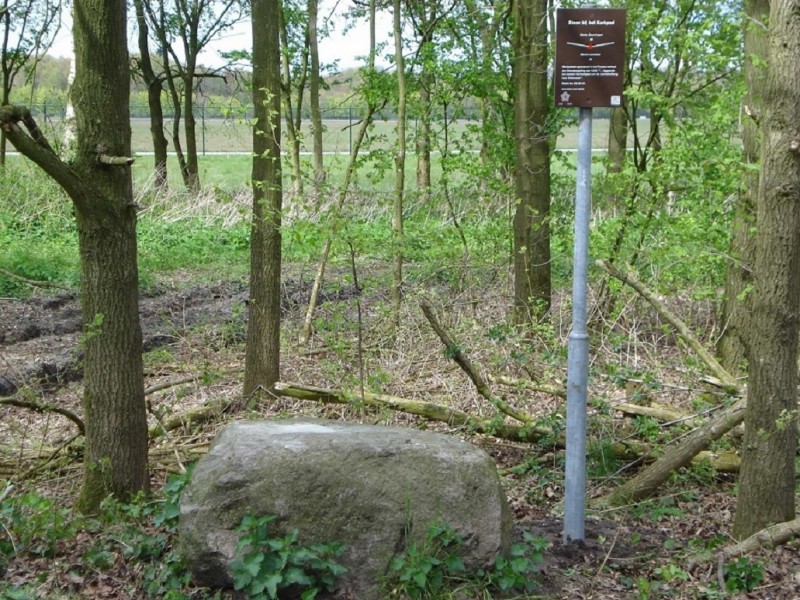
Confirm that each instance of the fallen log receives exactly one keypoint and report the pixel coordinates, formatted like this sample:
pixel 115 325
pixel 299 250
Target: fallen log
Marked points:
pixel 427 410
pixel 646 482
pixel 649 479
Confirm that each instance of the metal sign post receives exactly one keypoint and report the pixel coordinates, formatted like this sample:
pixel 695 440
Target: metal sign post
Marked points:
pixel 590 53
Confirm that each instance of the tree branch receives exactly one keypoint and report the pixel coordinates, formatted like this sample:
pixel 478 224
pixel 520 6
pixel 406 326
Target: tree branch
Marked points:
pixel 455 352
pixel 36 148
pixel 46 407
pixel 629 278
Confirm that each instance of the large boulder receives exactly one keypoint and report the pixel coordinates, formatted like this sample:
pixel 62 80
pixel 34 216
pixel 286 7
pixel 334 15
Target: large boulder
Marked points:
pixel 370 487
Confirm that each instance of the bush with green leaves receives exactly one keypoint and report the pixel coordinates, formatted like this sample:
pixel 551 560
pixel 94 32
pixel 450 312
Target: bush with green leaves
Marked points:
pixel 519 571
pixel 33 525
pixel 266 565
pixel 429 569
pixel 743 575
pixel 424 569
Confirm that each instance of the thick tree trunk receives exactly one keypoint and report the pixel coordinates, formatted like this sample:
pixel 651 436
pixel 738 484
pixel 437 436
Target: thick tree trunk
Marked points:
pixel 532 281
pixel 737 303
pixel 115 459
pixel 154 90
pixel 767 486
pixel 262 359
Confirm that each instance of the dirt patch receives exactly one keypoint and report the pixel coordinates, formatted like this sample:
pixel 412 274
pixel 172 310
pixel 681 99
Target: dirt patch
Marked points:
pixel 39 337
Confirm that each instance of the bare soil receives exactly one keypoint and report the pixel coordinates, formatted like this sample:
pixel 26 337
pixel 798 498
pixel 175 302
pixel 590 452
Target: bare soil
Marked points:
pixel 193 339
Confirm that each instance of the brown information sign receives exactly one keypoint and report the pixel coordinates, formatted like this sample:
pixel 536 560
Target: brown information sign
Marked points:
pixel 590 57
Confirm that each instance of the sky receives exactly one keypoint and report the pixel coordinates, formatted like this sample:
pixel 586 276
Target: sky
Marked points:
pixel 346 47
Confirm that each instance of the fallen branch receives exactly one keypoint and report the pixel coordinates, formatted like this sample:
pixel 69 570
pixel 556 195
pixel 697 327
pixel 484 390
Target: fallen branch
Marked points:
pixel 46 407
pixel 455 352
pixel 771 537
pixel 656 411
pixel 629 278
pixel 649 479
pixel 427 410
pixel 33 282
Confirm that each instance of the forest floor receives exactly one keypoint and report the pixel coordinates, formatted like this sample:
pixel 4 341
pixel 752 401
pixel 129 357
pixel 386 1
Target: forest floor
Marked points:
pixel 193 338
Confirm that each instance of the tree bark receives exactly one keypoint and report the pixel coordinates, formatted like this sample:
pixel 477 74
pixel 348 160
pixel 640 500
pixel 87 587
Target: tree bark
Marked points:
pixel 532 278
pixel 154 89
pixel 767 485
pixel 737 301
pixel 262 358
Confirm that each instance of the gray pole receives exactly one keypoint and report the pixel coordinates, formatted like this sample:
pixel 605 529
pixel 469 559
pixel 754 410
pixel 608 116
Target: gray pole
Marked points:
pixel 578 351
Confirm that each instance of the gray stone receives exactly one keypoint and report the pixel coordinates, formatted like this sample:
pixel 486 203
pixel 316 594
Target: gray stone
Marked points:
pixel 367 486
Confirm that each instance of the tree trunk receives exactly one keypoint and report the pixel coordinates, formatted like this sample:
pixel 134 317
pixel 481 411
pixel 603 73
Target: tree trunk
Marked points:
pixel 262 359
pixel 736 306
pixel 190 129
pixel 313 89
pixel 292 132
pixel 361 134
pixel 154 90
pixel 399 168
pixel 767 485
pixel 532 283
pixel 99 183
pixel 426 82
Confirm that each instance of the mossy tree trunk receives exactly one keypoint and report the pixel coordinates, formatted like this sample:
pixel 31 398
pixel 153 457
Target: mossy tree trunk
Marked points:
pixel 262 359
pixel 532 275
pixel 98 181
pixel 767 485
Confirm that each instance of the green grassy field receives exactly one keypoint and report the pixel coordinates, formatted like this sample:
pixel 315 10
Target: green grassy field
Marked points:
pixel 222 135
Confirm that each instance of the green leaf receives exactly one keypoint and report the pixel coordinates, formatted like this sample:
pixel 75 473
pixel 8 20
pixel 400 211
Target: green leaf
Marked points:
pixel 455 564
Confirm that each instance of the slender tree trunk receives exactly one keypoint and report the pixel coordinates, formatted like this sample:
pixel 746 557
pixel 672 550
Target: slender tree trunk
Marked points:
pixel 262 359
pixel 190 129
pixel 399 167
pixel 767 485
pixel 292 133
pixel 154 90
pixel 313 89
pixel 361 134
pixel 532 282
pixel 424 122
pixel 736 306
